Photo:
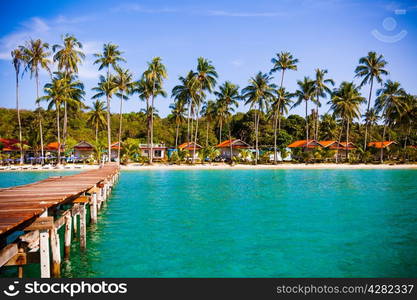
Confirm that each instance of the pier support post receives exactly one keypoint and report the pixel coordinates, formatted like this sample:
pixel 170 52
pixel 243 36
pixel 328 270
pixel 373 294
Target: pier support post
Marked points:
pixel 99 198
pixel 75 225
pixel 93 208
pixel 56 253
pixel 83 226
pixel 44 250
pixel 67 236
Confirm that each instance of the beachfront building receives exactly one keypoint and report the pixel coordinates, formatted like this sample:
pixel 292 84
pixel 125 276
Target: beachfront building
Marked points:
pixel 11 148
pixel 159 151
pixel 305 145
pixel 190 146
pixel 83 150
pixel 377 146
pixel 114 151
pixel 340 148
pixel 235 144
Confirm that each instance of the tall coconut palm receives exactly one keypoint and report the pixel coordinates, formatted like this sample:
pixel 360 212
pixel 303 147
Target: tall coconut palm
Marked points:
pixel 183 92
pixel 125 85
pixel 96 117
pixel 371 118
pixel 279 106
pixel 304 94
pixel 144 90
pixel 17 60
pixel 228 98
pixel 284 61
pixel 106 87
pixel 177 113
pixel 409 116
pixel 257 94
pixel 204 80
pixel 345 103
pixel 35 54
pixel 209 111
pixel 155 75
pixel 62 89
pixel 68 56
pixel 370 68
pixel 321 89
pixel 110 57
pixel 391 103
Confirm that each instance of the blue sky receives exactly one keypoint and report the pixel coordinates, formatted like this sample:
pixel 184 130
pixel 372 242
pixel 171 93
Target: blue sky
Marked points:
pixel 239 37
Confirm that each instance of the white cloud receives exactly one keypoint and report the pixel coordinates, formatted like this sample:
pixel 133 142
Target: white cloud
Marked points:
pixel 243 14
pixel 133 7
pixel 237 62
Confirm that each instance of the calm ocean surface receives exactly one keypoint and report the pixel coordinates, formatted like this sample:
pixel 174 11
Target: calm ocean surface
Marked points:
pixel 250 223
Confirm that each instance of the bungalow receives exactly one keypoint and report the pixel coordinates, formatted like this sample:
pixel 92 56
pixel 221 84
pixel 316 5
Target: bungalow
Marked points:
pixel 83 150
pixel 10 145
pixel 114 151
pixel 235 144
pixel 306 145
pixel 379 145
pixel 159 151
pixel 190 146
pixel 340 147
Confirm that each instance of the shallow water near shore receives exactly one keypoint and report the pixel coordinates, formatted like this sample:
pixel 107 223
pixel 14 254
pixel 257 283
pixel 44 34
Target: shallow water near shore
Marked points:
pixel 251 223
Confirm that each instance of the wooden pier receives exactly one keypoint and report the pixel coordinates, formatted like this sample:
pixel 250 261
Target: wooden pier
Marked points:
pixel 32 214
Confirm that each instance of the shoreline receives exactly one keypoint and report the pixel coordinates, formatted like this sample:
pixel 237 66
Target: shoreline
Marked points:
pixel 223 166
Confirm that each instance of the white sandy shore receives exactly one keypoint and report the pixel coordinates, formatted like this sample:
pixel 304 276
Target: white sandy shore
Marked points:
pixel 29 168
pixel 284 166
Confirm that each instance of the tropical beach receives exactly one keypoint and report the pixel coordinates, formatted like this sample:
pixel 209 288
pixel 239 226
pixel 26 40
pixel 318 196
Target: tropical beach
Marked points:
pixel 221 152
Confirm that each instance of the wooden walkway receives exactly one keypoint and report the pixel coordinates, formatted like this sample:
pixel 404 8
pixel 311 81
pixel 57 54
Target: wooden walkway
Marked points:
pixel 41 208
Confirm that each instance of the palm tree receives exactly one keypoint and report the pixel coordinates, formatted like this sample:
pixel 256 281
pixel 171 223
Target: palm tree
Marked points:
pixel 177 113
pixel 97 119
pixel 106 87
pixel 305 93
pixel 284 61
pixel 409 116
pixel 370 67
pixel 391 103
pixel 110 57
pixel 371 118
pixel 279 106
pixel 68 56
pixel 144 90
pixel 209 111
pixel 183 92
pixel 155 74
pixel 321 90
pixel 204 80
pixel 62 89
pixel 228 97
pixel 259 91
pixel 35 55
pixel 17 60
pixel 125 85
pixel 345 103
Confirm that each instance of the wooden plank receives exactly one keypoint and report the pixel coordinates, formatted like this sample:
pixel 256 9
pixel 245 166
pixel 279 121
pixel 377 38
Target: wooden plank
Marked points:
pixel 7 253
pixel 42 223
pixel 83 227
pixel 56 253
pixel 67 236
pixel 82 199
pixel 19 259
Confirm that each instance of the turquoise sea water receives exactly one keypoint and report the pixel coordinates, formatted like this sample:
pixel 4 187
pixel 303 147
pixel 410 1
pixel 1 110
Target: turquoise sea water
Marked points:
pixel 253 223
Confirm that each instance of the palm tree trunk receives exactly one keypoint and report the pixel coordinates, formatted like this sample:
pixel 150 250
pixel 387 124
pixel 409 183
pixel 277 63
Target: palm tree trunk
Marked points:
pixel 207 131
pixel 316 134
pixel 108 123
pixel 220 130
pixel 196 131
pixel 275 138
pixel 256 136
pixel 347 140
pixel 282 78
pixel 369 105
pixel 18 119
pixel 188 121
pixel 151 149
pixel 382 144
pixel 230 140
pixel 96 133
pixel 176 135
pixel 40 118
pixel 340 138
pixel 65 129
pixel 306 123
pixel 148 128
pixel 59 134
pixel 120 129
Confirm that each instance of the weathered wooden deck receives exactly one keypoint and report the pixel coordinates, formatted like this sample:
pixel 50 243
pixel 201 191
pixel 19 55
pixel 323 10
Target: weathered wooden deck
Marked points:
pixel 41 208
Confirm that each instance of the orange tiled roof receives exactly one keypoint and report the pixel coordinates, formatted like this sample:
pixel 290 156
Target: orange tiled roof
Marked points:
pixel 115 145
pixel 52 146
pixel 327 143
pixel 233 142
pixel 303 143
pixel 380 145
pixel 189 146
pixel 10 144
